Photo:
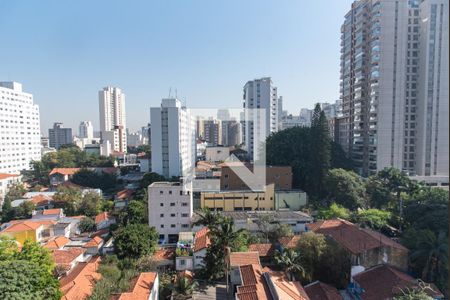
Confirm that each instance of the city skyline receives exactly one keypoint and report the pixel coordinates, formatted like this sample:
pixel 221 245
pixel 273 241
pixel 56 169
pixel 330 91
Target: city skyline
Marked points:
pixel 68 56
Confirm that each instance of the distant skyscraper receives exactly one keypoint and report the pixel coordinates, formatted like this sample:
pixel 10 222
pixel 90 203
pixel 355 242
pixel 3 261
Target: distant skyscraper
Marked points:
pixel 20 129
pixel 112 118
pixel 86 130
pixel 212 130
pixel 259 94
pixel 172 139
pixel 394 86
pixel 58 136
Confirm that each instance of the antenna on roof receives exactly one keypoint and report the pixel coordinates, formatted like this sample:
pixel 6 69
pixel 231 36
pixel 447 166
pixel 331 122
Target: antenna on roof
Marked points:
pixel 170 91
pixel 176 93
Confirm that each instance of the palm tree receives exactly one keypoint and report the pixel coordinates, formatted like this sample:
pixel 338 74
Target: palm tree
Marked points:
pixel 434 250
pixel 183 288
pixel 289 259
pixel 207 218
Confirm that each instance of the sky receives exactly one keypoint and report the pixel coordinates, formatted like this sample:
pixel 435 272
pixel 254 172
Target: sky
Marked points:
pixel 64 52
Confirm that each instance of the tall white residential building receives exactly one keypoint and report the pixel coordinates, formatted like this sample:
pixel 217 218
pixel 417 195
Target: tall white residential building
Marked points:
pixel 170 208
pixel 394 86
pixel 86 130
pixel 173 139
pixel 259 94
pixel 112 118
pixel 20 137
pixel 432 122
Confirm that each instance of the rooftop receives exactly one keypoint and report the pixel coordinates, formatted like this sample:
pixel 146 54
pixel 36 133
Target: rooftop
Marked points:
pixel 352 237
pixel 164 184
pixel 6 176
pixel 244 258
pixel 280 215
pixel 201 240
pixel 264 250
pixel 79 283
pixel 95 242
pixel 64 171
pixel 66 256
pixel 322 291
pixel 57 242
pixel 142 288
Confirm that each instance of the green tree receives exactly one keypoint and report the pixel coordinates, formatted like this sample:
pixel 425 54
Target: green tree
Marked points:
pixel 25 210
pixel 91 204
pixel 135 213
pixel 290 261
pixel 207 218
pixel 334 211
pixel 312 247
pixel 93 179
pixel 183 288
pixel 345 188
pixel 26 279
pixel 149 178
pixel 69 199
pixel 279 231
pixel 321 147
pixel 8 248
pixel 373 218
pixel 87 225
pixel 416 293
pixel 33 252
pixel 135 240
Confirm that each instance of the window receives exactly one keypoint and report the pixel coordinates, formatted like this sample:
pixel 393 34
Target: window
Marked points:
pixel 185 215
pixel 184 204
pixel 185 225
pixel 172 225
pixel 182 262
pixel 172 203
pixel 161 215
pixel 172 215
pixel 161 192
pixel 161 204
pixel 162 226
pixel 170 192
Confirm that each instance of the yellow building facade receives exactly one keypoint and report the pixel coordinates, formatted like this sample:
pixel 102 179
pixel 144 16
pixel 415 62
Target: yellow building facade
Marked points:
pixel 239 200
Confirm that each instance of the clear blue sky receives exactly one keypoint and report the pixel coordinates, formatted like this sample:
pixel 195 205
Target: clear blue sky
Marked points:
pixel 65 51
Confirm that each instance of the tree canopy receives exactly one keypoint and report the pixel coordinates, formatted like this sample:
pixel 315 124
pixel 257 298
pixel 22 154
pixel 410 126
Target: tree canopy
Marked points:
pixel 135 240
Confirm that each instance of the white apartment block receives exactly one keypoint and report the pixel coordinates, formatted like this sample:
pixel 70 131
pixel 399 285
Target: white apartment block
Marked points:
pixel 394 86
pixel 112 118
pixel 19 129
pixel 86 130
pixel 259 94
pixel 172 139
pixel 169 209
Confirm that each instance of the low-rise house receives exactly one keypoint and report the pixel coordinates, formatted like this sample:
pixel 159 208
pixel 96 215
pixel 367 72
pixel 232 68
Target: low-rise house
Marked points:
pixel 58 176
pixel 122 198
pixel 94 246
pixel 35 230
pixel 56 243
pixel 265 251
pixel 48 214
pixel 164 258
pixel 289 242
pixel 29 195
pixel 40 201
pixel 68 225
pixel 367 248
pixel 184 252
pixel 201 244
pixel 67 259
pixel 254 282
pixel 385 282
pixel 104 220
pixel 80 283
pixel 145 287
pixel 321 291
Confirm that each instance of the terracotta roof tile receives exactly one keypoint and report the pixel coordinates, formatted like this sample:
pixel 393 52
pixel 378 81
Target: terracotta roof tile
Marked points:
pixel 57 242
pixel 164 254
pixel 384 282
pixel 41 200
pixel 53 211
pixel 142 288
pixel 79 283
pixel 95 242
pixel 23 226
pixel 289 241
pixel 201 239
pixel 322 291
pixel 64 171
pixel 67 256
pixel 124 194
pixel 356 240
pixel 101 217
pixel 244 258
pixel 264 250
pixel 5 176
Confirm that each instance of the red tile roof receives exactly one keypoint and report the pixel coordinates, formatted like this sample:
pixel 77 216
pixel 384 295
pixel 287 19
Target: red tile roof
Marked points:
pixel 41 200
pixel 79 283
pixel 384 282
pixel 53 211
pixel 142 288
pixel 244 258
pixel 23 226
pixel 103 216
pixel 164 254
pixel 201 239
pixel 352 237
pixel 253 287
pixel 64 171
pixel 57 242
pixel 264 250
pixel 322 291
pixel 95 242
pixel 67 256
pixel 289 241
pixel 124 194
pixel 5 176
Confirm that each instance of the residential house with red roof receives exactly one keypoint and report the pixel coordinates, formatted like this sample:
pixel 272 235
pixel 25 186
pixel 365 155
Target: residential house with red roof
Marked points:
pixel 201 244
pixel 58 176
pixel 104 220
pixel 144 287
pixel 318 290
pixel 48 214
pixel 80 282
pixel 266 252
pixel 385 282
pixel 67 259
pixel 94 246
pixel 35 230
pixel 367 248
pixel 56 243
